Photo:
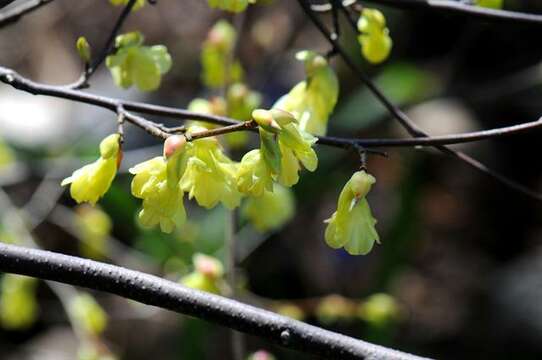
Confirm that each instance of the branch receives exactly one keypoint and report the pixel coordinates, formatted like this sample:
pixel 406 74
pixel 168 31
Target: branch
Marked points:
pixel 15 14
pixel 401 117
pixel 12 78
pixel 152 290
pixel 462 9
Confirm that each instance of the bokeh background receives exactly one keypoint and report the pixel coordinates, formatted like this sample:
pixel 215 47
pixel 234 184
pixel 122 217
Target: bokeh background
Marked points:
pixel 460 255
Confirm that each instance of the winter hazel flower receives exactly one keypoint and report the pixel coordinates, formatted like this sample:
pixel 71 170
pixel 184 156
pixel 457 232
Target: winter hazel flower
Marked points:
pixel 136 64
pixel 352 226
pixel 253 176
pixel 209 175
pixel 156 181
pixel 375 37
pixel 295 147
pixel 312 101
pixel 271 210
pixel 92 181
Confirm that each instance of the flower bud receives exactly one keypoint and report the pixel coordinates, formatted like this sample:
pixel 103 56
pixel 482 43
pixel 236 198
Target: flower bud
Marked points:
pixel 110 146
pixel 282 117
pixel 173 144
pixel 208 266
pixel 361 183
pixel 264 118
pixel 83 48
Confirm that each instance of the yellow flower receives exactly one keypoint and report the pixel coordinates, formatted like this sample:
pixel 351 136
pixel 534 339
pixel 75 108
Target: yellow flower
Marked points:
pixel 18 305
pixel 312 101
pixel 94 227
pixel 295 147
pixel 270 211
pixel 162 199
pixel 92 181
pixel 208 274
pixel 352 226
pixel 90 316
pixel 254 176
pixel 209 175
pixel 375 37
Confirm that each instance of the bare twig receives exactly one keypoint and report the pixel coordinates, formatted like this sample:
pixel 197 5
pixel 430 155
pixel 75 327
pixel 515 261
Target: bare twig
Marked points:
pixel 107 49
pixel 12 78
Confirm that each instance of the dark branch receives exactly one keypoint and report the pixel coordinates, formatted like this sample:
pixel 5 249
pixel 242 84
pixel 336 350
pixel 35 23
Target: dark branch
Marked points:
pixel 17 81
pixel 13 15
pixel 152 290
pixel 401 117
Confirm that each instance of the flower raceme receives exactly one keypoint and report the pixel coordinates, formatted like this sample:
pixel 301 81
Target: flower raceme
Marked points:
pixel 92 181
pixel 271 210
pixel 312 100
pixel 374 36
pixel 209 175
pixel 284 148
pixel 156 181
pixel 352 226
pixel 136 64
pixel 217 67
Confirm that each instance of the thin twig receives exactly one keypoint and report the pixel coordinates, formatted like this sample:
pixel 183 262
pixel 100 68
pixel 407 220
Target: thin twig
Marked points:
pixel 242 126
pixel 165 294
pixel 107 49
pixel 402 118
pixel 10 77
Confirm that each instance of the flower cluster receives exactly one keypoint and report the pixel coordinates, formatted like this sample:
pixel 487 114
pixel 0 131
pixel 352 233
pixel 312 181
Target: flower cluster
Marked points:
pixel 92 181
pixel 136 64
pixel 352 226
pixel 217 67
pixel 195 163
pixel 374 36
pixel 156 181
pixel 312 100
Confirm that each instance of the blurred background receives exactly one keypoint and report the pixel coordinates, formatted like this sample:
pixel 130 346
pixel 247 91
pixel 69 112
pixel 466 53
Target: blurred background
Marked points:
pixel 457 273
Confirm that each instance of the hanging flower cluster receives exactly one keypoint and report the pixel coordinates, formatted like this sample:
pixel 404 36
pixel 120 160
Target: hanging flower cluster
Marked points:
pixel 312 100
pixel 92 181
pixel 352 226
pixel 217 67
pixel 374 36
pixel 136 64
pixel 199 167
